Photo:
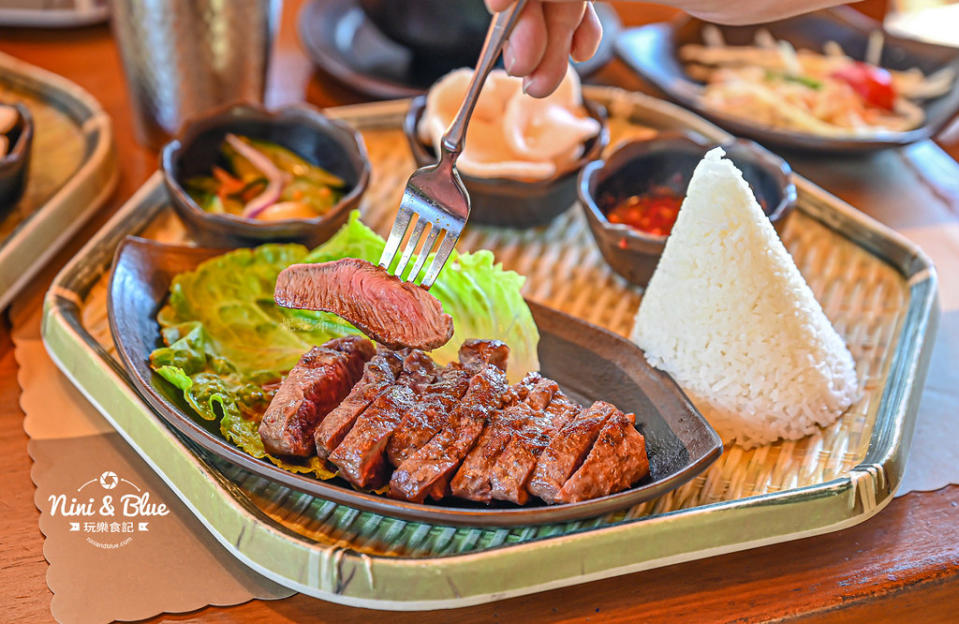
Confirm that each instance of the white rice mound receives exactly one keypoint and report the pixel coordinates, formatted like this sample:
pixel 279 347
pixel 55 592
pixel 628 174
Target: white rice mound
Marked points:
pixel 730 317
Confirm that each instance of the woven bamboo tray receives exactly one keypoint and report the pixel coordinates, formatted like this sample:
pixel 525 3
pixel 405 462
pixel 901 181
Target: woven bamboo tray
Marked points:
pixel 72 170
pixel 877 288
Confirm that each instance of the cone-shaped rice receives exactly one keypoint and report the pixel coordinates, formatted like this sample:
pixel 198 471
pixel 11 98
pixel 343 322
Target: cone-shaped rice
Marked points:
pixel 730 317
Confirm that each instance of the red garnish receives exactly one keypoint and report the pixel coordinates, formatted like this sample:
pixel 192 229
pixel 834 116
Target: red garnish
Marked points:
pixel 873 84
pixel 653 213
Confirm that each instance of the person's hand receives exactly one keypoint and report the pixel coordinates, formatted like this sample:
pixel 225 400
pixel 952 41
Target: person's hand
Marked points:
pixel 546 35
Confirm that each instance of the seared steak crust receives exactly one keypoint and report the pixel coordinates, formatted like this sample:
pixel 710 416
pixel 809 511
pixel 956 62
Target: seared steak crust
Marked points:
pixel 427 470
pixel 438 399
pixel 360 457
pixel 472 480
pixel 318 383
pixel 512 470
pixel 457 429
pixel 566 451
pixel 388 310
pixel 378 375
pixel 616 461
pixel 429 414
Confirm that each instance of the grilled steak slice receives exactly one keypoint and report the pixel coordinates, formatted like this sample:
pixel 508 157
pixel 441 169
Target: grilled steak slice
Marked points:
pixel 616 461
pixel 474 353
pixel 388 310
pixel 360 457
pixel 427 470
pixel 438 399
pixel 513 468
pixel 429 415
pixel 319 381
pixel 378 374
pixel 566 451
pixel 472 480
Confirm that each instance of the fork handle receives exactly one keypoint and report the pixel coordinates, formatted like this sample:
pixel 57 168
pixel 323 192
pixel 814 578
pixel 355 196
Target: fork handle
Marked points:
pixel 499 31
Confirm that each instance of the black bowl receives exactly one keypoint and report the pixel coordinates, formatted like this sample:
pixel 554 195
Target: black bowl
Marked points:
pixel 323 141
pixel 450 31
pixel 669 161
pixel 652 51
pixel 506 202
pixel 15 164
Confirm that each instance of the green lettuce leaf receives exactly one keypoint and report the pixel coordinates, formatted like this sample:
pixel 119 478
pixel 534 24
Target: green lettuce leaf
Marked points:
pixel 229 345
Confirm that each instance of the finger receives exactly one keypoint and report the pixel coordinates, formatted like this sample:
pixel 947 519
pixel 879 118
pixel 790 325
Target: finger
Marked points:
pixel 562 19
pixel 587 36
pixel 494 6
pixel 526 45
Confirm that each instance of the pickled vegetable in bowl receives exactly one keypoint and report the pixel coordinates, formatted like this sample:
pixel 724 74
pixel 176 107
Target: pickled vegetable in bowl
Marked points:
pixel 263 181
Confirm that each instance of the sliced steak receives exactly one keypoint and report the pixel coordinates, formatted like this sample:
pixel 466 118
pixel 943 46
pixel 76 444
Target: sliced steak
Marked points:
pixel 427 470
pixel 388 310
pixel 472 480
pixel 474 353
pixel 360 457
pixel 566 451
pixel 515 464
pixel 319 382
pixel 438 399
pixel 378 374
pixel 616 461
pixel 430 413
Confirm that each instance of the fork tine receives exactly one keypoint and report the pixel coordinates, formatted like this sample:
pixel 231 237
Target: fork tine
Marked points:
pixel 424 253
pixel 442 254
pixel 411 244
pixel 400 225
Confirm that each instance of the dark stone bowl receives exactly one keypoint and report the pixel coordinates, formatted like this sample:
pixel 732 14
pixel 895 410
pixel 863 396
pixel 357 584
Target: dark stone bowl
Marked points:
pixel 15 164
pixel 449 31
pixel 669 161
pixel 505 202
pixel 323 141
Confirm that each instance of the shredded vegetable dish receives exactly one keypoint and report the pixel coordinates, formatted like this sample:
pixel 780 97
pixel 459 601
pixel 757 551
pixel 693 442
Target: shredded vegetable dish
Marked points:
pixel 265 181
pixel 827 94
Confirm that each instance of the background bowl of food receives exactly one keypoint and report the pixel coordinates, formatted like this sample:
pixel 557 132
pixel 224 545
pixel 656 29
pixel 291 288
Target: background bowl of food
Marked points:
pixel 522 155
pixel 16 139
pixel 831 80
pixel 245 175
pixel 632 198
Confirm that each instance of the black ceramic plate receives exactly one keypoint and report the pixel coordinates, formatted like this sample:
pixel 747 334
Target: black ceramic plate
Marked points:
pixel 339 38
pixel 588 362
pixel 652 51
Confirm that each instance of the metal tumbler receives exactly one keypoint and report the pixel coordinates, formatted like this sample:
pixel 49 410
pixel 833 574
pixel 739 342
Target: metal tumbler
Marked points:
pixel 184 57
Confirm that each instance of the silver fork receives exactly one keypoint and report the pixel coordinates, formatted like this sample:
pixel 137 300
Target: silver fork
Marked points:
pixel 435 193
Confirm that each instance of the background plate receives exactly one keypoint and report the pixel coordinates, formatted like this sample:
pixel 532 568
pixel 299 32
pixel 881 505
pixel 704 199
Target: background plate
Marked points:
pixel 72 170
pixel 651 51
pixel 878 289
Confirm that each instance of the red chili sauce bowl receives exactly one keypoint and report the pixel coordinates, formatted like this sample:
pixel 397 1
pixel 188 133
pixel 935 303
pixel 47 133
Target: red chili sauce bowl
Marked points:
pixel 656 173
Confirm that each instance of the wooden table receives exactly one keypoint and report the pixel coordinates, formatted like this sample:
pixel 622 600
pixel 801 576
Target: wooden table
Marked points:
pixel 902 563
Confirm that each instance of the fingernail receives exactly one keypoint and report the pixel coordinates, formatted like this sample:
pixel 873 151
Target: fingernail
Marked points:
pixel 509 58
pixel 527 84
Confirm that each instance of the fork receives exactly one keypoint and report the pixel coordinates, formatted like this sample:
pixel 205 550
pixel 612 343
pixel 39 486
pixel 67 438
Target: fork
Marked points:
pixel 435 193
